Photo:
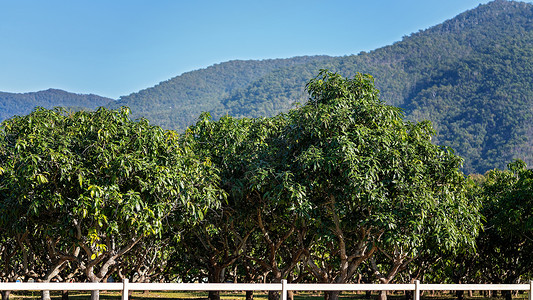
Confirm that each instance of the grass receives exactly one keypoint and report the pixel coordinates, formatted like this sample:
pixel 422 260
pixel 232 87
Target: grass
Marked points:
pixel 161 295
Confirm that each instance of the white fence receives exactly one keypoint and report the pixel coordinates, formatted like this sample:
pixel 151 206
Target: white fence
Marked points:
pixel 282 287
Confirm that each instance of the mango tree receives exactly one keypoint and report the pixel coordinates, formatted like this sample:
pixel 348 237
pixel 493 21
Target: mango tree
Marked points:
pixel 262 196
pixel 275 196
pixel 11 266
pixel 92 185
pixel 506 243
pixel 449 220
pixel 372 181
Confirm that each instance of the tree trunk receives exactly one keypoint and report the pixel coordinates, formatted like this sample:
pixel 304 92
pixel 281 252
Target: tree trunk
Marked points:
pixel 331 295
pixel 5 295
pixel 215 276
pixel 95 295
pixel 249 295
pixel 409 295
pixel 273 295
pixel 214 295
pixel 460 294
pixel 276 273
pixel 64 295
pixel 368 295
pixel 290 295
pixel 382 295
pixel 45 295
pixel 508 295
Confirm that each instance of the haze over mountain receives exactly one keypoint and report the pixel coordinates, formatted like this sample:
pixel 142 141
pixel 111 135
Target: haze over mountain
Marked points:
pixel 472 76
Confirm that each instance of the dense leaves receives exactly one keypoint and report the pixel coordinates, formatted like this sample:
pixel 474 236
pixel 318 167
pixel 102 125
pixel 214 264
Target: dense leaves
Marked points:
pixel 372 181
pixel 85 188
pixel 334 182
pixel 339 189
pixel 507 241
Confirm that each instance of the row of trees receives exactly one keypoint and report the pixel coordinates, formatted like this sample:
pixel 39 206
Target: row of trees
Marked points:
pixel 80 191
pixel 341 189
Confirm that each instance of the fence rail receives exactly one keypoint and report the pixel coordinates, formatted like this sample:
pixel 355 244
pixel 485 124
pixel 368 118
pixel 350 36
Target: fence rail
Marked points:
pixel 282 287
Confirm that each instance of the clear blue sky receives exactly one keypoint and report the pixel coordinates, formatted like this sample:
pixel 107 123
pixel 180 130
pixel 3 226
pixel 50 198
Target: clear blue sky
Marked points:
pixel 114 47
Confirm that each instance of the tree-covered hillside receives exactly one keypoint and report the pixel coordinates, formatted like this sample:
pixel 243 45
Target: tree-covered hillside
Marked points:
pixel 471 76
pixel 177 102
pixel 21 104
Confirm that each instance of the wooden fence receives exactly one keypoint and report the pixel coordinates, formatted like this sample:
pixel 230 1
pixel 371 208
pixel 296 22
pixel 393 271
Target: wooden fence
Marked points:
pixel 282 287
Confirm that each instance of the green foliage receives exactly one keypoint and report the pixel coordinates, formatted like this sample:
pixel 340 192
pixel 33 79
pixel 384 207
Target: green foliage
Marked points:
pixel 98 180
pixel 336 179
pixel 177 102
pixel 505 246
pixel 338 186
pixel 261 202
pixel 373 181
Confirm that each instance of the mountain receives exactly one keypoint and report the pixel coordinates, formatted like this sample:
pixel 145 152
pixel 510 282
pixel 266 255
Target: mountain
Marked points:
pixel 23 103
pixel 177 102
pixel 472 76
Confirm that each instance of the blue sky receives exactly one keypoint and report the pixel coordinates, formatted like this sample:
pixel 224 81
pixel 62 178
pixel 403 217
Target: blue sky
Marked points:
pixel 113 48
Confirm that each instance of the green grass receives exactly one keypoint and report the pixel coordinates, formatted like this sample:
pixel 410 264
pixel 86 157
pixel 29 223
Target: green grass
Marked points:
pixel 160 295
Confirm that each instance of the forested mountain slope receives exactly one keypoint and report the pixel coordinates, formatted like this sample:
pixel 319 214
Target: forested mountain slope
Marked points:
pixel 177 102
pixel 472 76
pixel 23 103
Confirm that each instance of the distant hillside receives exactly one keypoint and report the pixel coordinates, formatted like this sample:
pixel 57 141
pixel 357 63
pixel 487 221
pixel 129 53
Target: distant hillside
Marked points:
pixel 471 76
pixel 177 103
pixel 21 104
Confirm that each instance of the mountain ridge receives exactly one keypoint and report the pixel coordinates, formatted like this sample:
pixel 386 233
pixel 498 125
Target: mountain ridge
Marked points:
pixel 470 75
pixel 23 103
pixel 448 73
pixel 200 90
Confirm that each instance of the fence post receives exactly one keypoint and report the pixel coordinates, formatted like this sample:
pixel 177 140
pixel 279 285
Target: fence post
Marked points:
pixel 125 290
pixel 531 290
pixel 417 290
pixel 284 289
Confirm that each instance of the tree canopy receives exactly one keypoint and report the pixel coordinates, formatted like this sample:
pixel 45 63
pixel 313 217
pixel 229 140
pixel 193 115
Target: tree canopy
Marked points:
pixel 340 188
pixel 372 181
pixel 85 188
pixel 340 179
